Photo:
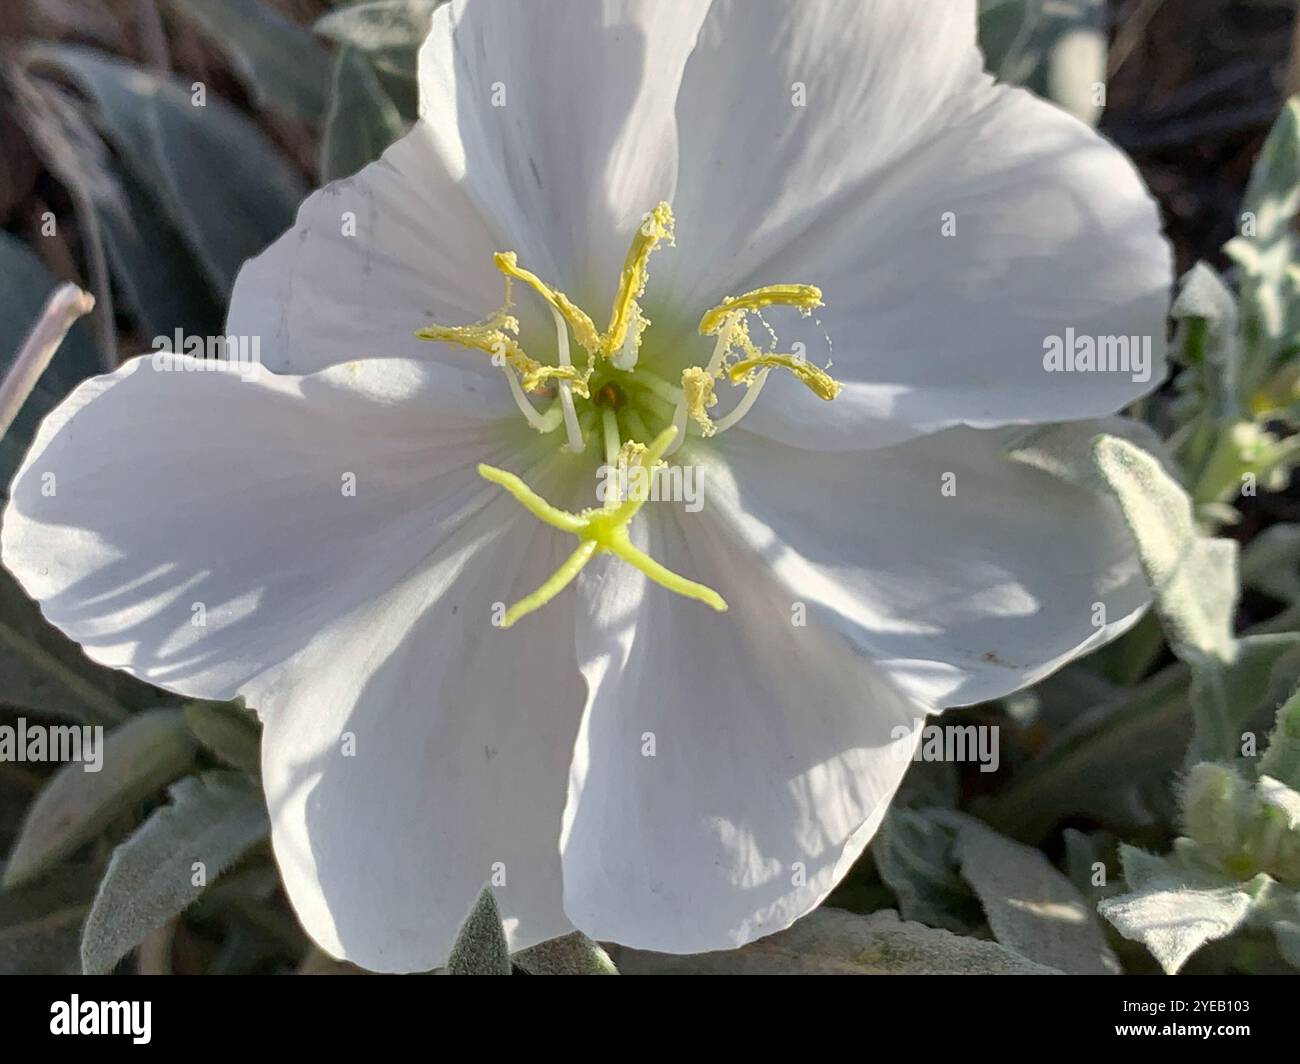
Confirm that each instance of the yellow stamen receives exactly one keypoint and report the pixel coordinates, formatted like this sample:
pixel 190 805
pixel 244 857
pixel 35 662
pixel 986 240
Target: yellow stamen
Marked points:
pixel 572 428
pixel 817 380
pixel 697 393
pixel 806 297
pixel 747 401
pixel 632 453
pixel 584 330
pixel 541 422
pixel 736 359
pixel 495 336
pixel 727 322
pixel 655 228
pixel 576 378
pixel 621 341
pixel 597 531
pixel 486 337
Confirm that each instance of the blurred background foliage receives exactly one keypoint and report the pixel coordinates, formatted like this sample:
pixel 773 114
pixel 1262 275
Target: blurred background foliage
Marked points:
pixel 148 147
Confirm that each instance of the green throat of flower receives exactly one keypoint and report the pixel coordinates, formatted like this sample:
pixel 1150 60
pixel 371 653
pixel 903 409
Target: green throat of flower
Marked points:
pixel 641 417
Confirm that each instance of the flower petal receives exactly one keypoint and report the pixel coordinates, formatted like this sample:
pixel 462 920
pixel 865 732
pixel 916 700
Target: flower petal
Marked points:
pixel 557 116
pixel 422 754
pixel 197 530
pixel 785 105
pixel 964 573
pixel 954 225
pixel 546 129
pixel 730 768
pixel 369 260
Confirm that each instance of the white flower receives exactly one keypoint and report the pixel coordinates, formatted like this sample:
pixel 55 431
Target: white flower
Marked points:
pixel 627 760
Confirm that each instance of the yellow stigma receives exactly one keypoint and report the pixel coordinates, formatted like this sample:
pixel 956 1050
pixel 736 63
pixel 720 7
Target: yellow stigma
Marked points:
pixel 618 399
pixel 597 531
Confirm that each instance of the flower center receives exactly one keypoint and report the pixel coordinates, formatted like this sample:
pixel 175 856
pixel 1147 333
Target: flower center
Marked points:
pixel 640 417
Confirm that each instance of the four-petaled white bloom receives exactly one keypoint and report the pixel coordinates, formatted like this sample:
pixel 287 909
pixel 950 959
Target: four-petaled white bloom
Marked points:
pixel 688 745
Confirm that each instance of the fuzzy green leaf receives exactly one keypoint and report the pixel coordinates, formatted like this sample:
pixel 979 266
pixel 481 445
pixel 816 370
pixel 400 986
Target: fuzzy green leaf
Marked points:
pixel 480 947
pixel 1194 578
pixel 1056 47
pixel 1287 935
pixel 362 121
pixel 1207 339
pixel 913 854
pixel 1271 562
pixel 1100 763
pixel 573 954
pixel 834 942
pixel 1282 758
pixel 280 63
pixel 1225 697
pixel 1064 450
pixel 229 732
pixel 379 25
pixel 159 281
pixel 390 32
pixel 1175 911
pixel 212 821
pixel 1266 251
pixel 213 172
pixel 139 758
pixel 40 923
pixel 1031 907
